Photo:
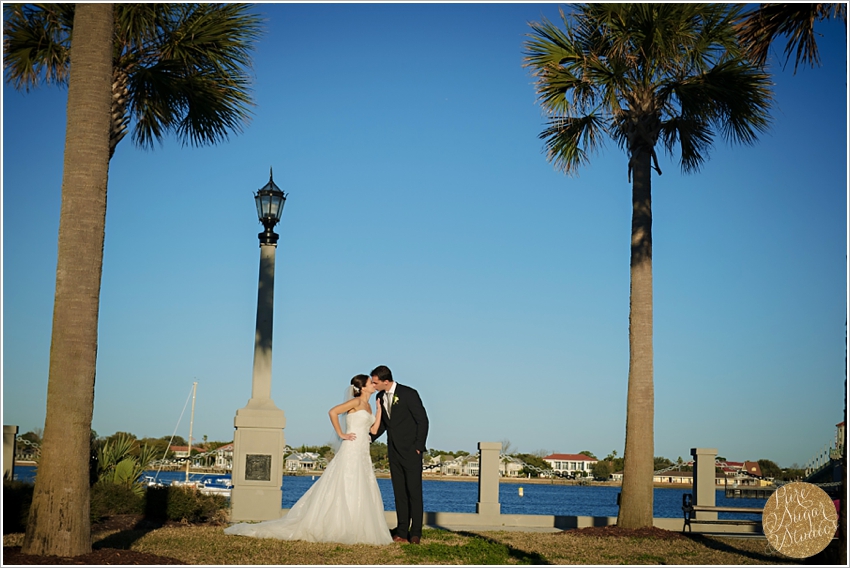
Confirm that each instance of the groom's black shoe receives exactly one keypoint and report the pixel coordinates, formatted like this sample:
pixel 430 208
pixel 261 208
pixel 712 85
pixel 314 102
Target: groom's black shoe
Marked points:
pixel 397 538
pixel 414 540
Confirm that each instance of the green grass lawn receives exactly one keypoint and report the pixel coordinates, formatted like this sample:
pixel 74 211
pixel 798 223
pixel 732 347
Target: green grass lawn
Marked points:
pixel 208 545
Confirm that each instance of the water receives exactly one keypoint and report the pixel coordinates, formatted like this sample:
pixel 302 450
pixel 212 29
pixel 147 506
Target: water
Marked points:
pixel 461 496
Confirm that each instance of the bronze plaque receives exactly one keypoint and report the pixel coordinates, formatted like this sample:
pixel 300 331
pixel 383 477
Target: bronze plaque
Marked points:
pixel 258 467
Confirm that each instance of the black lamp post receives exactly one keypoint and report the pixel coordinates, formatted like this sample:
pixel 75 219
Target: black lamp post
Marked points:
pixel 270 201
pixel 258 441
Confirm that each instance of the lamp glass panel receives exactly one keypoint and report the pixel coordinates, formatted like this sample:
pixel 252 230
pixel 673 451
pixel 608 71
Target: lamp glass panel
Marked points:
pixel 267 205
pixel 259 201
pixel 274 207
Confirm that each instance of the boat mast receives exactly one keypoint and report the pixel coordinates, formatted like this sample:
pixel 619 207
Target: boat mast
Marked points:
pixel 191 423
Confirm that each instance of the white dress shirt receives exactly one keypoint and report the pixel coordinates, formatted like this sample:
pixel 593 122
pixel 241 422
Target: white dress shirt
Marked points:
pixel 388 398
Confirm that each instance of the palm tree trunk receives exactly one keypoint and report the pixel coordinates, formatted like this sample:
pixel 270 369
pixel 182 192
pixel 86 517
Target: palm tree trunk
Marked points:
pixel 59 516
pixel 636 498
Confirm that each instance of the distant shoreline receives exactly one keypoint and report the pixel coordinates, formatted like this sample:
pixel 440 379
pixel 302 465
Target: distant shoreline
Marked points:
pixel 474 479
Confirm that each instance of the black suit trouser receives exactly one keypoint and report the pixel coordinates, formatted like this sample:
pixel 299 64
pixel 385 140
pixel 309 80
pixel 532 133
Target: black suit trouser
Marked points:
pixel 407 489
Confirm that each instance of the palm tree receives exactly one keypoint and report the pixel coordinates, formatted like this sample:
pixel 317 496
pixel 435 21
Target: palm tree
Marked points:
pixel 177 68
pixel 164 68
pixel 643 74
pixel 758 28
pixel 59 515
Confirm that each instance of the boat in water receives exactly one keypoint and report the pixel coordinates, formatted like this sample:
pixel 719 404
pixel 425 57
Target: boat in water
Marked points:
pixel 216 486
pixel 206 484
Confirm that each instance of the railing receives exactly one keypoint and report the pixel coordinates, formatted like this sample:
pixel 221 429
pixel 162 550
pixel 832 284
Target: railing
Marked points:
pixel 506 458
pixel 19 453
pixel 823 459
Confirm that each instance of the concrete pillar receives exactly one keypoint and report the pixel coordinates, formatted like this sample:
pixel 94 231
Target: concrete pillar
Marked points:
pixel 258 441
pixel 10 434
pixel 257 465
pixel 704 480
pixel 488 481
pixel 261 381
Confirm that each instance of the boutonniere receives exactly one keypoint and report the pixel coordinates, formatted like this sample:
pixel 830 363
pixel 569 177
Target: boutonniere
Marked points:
pixel 395 399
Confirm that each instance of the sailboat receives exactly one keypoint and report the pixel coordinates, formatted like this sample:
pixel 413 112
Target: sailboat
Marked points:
pixel 205 484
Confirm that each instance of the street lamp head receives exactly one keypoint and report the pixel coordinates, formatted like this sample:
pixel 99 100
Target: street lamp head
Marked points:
pixel 270 201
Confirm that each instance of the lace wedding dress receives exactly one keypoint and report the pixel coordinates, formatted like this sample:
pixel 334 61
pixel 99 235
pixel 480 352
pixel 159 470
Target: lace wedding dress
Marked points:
pixel 344 505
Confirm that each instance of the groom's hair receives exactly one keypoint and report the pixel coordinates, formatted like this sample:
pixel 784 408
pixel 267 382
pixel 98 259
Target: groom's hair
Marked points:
pixel 383 373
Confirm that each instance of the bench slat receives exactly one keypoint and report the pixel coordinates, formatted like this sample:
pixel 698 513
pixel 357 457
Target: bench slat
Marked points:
pixel 689 509
pixel 723 522
pixel 707 509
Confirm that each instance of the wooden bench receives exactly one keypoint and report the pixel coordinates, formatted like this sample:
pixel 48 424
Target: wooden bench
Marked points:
pixel 689 509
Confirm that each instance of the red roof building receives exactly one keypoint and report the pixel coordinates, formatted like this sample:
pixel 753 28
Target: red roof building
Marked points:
pixel 570 464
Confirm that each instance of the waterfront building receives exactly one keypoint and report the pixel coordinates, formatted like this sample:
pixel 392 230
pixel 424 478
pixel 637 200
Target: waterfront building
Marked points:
pixel 303 461
pixel 469 465
pixel 753 469
pixel 460 465
pixel 27 453
pixel 180 451
pixel 510 466
pixel 224 457
pixel 450 466
pixel 683 477
pixel 573 465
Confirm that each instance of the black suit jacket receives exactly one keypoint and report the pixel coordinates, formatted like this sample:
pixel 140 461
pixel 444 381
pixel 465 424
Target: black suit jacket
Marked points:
pixel 407 427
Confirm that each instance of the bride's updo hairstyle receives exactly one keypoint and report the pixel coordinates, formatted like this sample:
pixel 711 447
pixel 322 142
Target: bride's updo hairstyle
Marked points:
pixel 358 382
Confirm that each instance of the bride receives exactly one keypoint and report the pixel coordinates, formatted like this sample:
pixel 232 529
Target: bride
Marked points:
pixel 345 504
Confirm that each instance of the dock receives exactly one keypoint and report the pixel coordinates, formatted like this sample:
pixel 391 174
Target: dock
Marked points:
pixel 744 492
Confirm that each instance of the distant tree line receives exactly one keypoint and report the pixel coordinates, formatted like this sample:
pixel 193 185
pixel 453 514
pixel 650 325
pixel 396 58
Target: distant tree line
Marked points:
pixel 602 469
pixel 159 447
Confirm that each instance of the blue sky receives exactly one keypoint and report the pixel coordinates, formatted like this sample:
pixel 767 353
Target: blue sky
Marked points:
pixel 425 230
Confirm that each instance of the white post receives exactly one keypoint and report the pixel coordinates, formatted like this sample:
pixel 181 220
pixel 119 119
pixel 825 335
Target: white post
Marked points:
pixel 10 434
pixel 704 481
pixel 488 482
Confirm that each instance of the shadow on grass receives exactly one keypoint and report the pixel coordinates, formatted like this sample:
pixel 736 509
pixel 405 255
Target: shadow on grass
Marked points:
pixel 478 550
pixel 122 540
pixel 721 546
pixel 155 517
pixel 126 536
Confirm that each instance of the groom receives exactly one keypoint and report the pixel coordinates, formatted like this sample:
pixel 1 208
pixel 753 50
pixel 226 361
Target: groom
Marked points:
pixel 406 423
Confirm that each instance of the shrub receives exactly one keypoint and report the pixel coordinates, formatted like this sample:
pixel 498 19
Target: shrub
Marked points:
pixel 183 504
pixel 111 499
pixel 107 499
pixel 117 465
pixel 17 497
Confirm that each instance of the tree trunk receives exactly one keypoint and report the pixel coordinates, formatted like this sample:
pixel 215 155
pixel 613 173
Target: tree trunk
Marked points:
pixel 59 516
pixel 636 499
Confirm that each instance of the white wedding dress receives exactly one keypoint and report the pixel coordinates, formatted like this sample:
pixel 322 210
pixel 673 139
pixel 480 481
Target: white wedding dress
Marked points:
pixel 344 505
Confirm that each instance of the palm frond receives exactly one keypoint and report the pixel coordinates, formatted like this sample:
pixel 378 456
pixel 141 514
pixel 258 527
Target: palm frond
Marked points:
pixel 36 44
pixel 759 28
pixel 694 138
pixel 196 81
pixel 569 142
pixel 646 72
pixel 180 69
pixel 552 56
pixel 734 96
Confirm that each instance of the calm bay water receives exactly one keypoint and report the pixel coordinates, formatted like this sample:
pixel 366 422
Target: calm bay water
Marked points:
pixel 461 496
